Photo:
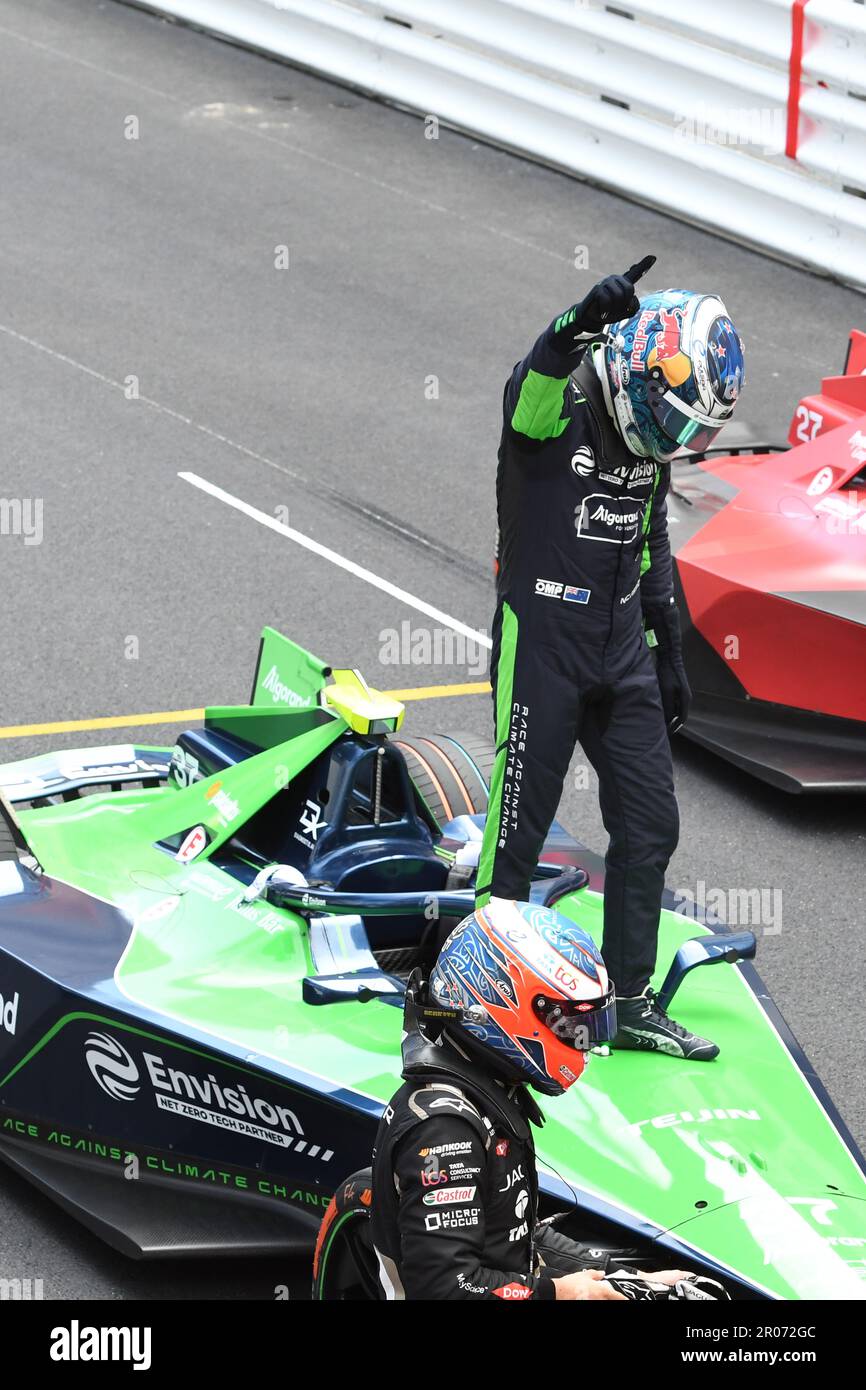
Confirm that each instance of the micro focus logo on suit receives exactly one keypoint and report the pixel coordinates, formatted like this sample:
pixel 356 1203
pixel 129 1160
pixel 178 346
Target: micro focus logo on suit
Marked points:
pixel 111 1067
pixel 583 461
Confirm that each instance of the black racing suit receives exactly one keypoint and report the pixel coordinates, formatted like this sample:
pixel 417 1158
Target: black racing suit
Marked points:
pixel 584 562
pixel 455 1191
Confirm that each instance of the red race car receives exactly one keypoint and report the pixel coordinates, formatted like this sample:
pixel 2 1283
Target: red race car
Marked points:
pixel 769 551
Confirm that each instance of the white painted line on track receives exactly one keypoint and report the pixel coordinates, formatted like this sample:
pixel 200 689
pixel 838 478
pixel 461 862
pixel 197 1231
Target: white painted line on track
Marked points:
pixel 335 558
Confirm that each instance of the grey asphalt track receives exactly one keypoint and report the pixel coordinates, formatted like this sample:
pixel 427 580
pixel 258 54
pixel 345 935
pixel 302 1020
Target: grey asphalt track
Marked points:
pixel 355 393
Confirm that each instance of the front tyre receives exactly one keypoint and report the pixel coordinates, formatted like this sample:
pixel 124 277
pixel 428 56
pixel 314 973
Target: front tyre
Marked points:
pixel 345 1267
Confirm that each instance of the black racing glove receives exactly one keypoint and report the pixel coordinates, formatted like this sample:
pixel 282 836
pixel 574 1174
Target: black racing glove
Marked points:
pixel 611 299
pixel 664 624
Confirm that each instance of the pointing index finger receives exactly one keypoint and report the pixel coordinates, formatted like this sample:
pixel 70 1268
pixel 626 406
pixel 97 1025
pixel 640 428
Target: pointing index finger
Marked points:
pixel 635 272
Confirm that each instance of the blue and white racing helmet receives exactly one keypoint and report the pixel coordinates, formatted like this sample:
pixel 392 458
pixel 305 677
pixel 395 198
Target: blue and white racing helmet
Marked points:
pixel 672 373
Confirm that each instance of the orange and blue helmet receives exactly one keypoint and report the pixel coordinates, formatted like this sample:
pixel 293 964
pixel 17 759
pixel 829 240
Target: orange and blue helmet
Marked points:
pixel 530 988
pixel 672 373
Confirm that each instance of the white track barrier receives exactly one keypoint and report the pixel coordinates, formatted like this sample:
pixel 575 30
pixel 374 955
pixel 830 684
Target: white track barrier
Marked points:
pixel 703 112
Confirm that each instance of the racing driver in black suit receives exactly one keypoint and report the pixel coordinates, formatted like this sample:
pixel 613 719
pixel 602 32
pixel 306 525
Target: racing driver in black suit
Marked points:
pixel 609 393
pixel 517 997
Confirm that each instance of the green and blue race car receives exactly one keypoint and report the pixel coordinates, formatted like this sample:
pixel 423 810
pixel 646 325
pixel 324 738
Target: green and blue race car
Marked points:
pixel 203 955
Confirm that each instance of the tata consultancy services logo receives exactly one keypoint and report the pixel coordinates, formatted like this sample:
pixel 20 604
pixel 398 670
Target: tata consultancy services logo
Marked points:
pixel 111 1067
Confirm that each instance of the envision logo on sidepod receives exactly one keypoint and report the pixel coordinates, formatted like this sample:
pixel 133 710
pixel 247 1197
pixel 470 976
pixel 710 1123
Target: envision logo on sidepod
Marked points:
pixel 196 1097
pixel 111 1067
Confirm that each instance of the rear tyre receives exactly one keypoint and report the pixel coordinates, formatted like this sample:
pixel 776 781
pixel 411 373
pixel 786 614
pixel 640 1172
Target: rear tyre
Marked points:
pixel 451 772
pixel 345 1267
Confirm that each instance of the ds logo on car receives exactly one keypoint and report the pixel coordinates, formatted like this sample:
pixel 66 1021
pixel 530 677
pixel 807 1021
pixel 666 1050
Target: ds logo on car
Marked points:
pixel 111 1067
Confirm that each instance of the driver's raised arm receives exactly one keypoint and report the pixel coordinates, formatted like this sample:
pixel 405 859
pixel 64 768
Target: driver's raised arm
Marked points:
pixel 534 396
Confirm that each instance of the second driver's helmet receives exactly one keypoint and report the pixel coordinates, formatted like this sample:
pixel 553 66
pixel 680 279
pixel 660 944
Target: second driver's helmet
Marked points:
pixel 530 990
pixel 672 373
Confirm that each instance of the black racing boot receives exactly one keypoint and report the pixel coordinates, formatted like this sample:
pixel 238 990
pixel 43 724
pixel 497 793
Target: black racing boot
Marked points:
pixel 643 1025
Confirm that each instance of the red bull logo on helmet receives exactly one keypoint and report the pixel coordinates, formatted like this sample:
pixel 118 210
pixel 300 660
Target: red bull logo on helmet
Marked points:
pixel 641 339
pixel 658 344
pixel 668 336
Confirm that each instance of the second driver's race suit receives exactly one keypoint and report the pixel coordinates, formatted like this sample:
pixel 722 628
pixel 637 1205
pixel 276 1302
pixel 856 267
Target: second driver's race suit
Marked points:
pixel 584 562
pixel 455 1192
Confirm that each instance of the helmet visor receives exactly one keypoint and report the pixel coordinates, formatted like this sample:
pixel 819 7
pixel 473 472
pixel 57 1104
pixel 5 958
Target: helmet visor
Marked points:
pixel 579 1023
pixel 686 428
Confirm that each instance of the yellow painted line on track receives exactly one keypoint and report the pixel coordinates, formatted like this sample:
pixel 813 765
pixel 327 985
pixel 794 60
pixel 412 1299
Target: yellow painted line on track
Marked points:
pixel 438 692
pixel 112 721
pixel 186 716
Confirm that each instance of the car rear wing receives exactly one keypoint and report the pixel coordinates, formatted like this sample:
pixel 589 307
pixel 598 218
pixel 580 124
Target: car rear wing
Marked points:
pixel 286 676
pixel 290 678
pixel 840 400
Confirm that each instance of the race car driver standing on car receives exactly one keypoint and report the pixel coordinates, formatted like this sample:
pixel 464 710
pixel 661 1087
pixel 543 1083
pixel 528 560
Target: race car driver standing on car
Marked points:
pixel 517 997
pixel 609 393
